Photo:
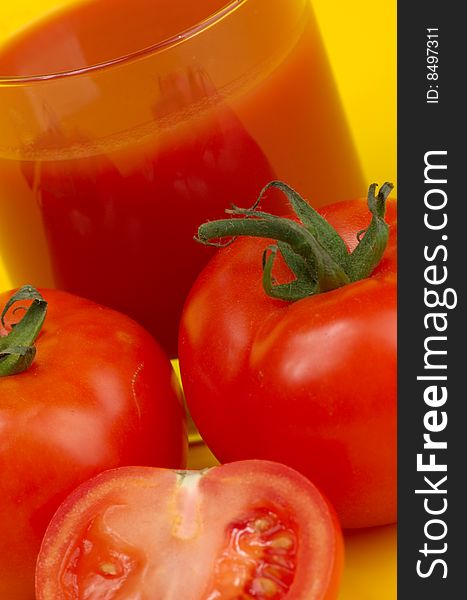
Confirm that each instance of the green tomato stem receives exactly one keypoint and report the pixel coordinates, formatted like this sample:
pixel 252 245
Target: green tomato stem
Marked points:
pixel 312 249
pixel 17 349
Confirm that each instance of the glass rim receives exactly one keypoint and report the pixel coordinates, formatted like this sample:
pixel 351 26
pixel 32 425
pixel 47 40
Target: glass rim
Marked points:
pixel 170 42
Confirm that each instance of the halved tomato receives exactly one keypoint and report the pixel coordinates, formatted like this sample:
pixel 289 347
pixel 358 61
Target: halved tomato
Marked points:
pixel 250 530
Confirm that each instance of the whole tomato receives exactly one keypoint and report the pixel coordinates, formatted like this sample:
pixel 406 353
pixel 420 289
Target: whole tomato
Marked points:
pixel 99 393
pixel 248 530
pixel 294 359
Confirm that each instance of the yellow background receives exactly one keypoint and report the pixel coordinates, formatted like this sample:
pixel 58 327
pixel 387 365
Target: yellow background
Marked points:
pixel 360 38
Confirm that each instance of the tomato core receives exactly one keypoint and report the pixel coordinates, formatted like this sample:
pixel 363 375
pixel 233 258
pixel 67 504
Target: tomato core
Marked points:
pixel 259 561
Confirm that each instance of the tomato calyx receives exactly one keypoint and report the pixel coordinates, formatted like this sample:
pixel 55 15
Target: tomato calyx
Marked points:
pixel 312 249
pixel 17 349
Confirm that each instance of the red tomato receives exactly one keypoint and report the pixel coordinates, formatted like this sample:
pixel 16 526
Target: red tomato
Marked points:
pixel 99 394
pixel 310 383
pixel 249 530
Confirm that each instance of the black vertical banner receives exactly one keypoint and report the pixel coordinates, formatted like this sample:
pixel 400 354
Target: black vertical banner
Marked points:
pixel 432 336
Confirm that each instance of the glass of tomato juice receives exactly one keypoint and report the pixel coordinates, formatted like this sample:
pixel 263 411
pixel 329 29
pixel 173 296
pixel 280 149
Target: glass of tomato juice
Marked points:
pixel 124 125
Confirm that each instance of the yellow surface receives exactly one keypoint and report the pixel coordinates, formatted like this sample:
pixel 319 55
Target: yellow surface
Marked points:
pixel 360 38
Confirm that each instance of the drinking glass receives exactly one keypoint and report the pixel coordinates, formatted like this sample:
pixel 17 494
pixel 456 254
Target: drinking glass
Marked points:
pixel 124 125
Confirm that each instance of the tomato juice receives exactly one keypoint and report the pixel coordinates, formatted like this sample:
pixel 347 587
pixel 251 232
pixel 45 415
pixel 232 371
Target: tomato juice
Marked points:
pixel 108 165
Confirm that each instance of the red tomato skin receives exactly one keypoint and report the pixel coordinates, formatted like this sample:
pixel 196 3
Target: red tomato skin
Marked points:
pixel 311 384
pixel 99 394
pixel 321 549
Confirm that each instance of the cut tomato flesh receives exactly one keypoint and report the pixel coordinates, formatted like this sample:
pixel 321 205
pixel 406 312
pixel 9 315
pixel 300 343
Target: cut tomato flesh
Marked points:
pixel 154 534
pixel 259 561
pixel 97 571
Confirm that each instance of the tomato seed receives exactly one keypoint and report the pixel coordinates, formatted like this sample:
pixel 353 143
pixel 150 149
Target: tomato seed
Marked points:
pixel 263 524
pixel 282 541
pixel 264 587
pixel 108 569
